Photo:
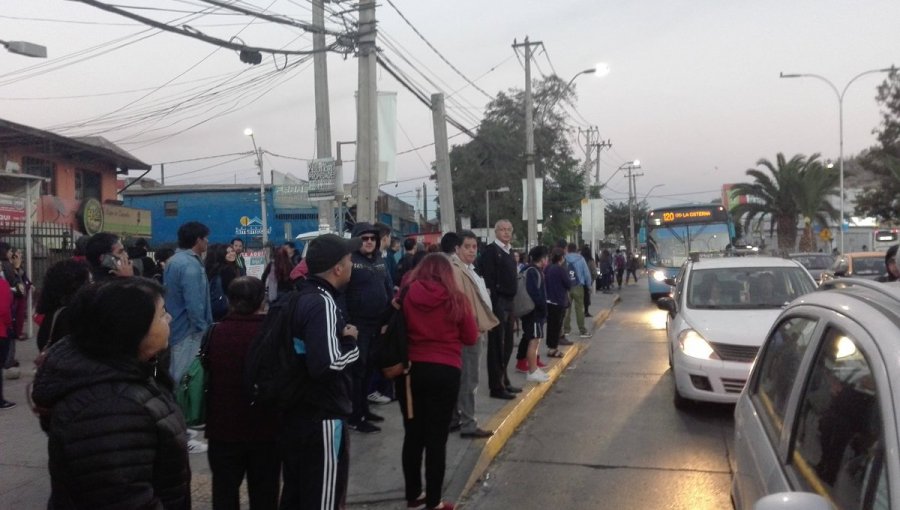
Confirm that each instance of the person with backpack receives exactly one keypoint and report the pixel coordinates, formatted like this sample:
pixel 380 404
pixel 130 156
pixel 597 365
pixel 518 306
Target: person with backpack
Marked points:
pixel 440 321
pixel 533 321
pixel 580 274
pixel 242 438
pixel 313 441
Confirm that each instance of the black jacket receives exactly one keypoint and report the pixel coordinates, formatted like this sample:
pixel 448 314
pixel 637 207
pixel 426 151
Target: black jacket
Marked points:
pixel 370 290
pixel 317 331
pixel 498 268
pixel 116 438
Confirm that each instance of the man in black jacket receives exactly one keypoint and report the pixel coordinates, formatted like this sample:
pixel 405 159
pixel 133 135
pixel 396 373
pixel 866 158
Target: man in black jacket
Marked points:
pixel 498 268
pixel 368 297
pixel 327 344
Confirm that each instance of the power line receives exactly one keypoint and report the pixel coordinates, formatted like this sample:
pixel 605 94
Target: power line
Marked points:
pixel 438 53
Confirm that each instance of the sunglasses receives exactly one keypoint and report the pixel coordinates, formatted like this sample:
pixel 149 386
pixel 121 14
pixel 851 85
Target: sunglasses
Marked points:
pixel 367 238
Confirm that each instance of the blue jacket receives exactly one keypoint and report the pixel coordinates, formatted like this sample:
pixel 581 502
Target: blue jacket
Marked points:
pixel 557 284
pixel 187 295
pixel 534 283
pixel 579 267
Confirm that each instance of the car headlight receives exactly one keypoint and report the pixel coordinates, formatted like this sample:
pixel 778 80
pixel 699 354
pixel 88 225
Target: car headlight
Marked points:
pixel 695 346
pixel 659 275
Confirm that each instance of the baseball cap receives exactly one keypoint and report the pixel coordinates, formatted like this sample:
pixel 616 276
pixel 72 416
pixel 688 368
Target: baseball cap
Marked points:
pixel 327 250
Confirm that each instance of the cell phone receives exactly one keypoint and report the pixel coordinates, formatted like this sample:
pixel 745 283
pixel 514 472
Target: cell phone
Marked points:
pixel 110 262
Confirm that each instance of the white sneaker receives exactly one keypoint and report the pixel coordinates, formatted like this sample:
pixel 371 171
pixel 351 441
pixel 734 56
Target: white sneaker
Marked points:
pixel 585 335
pixel 12 373
pixel 537 376
pixel 196 446
pixel 192 434
pixel 377 398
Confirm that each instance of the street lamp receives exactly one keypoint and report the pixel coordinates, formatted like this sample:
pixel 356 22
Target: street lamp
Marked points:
pixel 25 48
pixel 840 98
pixel 651 191
pixel 262 188
pixel 487 207
pixel 601 69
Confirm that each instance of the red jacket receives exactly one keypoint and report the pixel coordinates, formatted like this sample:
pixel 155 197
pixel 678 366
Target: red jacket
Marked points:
pixel 6 319
pixel 432 337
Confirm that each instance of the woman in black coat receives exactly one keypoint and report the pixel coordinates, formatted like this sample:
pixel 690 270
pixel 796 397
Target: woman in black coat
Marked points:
pixel 116 438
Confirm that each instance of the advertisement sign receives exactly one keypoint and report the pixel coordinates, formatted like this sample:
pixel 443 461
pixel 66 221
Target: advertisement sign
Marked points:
pixel 289 192
pixel 91 216
pixel 255 262
pixel 12 208
pixel 126 221
pixel 250 227
pixel 322 179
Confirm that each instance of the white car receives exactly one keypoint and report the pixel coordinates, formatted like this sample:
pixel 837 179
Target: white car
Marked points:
pixel 819 415
pixel 719 314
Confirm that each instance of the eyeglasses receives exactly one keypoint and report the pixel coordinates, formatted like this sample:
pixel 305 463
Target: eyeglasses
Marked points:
pixel 368 238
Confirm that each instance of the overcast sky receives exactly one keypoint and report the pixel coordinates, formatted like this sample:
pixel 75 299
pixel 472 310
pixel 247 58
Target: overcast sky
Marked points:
pixel 693 92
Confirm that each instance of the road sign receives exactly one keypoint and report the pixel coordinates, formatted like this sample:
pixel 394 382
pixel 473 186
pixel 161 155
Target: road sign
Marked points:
pixel 825 234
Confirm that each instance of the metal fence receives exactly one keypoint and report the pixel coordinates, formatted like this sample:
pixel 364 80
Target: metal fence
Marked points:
pixel 51 243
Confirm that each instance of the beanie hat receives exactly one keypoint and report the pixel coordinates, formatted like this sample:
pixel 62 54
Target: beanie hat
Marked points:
pixel 327 250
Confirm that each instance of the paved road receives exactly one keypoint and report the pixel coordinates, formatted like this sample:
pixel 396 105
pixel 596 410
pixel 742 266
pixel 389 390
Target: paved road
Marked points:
pixel 607 435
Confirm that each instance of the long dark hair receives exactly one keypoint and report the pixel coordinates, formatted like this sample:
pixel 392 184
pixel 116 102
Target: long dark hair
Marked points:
pixel 111 318
pixel 61 282
pixel 215 259
pixel 435 267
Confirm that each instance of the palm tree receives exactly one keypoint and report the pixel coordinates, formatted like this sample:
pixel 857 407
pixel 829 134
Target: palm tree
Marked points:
pixel 818 183
pixel 796 187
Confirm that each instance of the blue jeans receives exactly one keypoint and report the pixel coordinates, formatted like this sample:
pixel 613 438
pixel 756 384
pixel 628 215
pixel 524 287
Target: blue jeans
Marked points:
pixel 183 353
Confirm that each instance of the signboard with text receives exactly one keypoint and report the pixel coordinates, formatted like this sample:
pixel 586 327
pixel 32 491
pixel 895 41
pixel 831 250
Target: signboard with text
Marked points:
pixel 255 262
pixel 12 208
pixel 322 179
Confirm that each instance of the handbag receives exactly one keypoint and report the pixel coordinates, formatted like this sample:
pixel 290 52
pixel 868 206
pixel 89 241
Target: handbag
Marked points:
pixel 522 302
pixel 191 391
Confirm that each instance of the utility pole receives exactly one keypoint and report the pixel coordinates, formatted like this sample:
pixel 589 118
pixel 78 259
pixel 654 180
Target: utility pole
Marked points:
pixel 632 195
pixel 589 136
pixel 425 205
pixel 531 203
pixel 323 114
pixel 367 116
pixel 600 146
pixel 162 174
pixel 442 163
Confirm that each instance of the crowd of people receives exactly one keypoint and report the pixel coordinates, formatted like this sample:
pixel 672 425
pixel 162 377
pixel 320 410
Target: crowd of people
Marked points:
pixel 119 329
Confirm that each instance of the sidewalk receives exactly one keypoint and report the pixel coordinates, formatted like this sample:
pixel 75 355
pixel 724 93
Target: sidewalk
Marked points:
pixel 376 477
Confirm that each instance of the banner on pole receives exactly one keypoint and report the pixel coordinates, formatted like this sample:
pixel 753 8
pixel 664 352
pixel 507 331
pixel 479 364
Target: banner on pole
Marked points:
pixel 387 137
pixel 539 187
pixel 322 179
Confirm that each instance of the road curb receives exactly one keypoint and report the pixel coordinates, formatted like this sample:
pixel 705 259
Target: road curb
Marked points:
pixel 505 422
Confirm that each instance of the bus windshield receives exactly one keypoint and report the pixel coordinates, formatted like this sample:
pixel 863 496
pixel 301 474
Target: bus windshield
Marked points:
pixel 670 246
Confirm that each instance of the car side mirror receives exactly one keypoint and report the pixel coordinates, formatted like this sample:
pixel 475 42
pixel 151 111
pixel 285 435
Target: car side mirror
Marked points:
pixel 792 501
pixel 670 282
pixel 666 303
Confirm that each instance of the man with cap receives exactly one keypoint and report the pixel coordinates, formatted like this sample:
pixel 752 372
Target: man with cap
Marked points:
pixel 890 264
pixel 314 448
pixel 368 298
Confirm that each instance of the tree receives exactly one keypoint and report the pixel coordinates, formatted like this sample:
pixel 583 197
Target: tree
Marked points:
pixel 796 188
pixel 618 219
pixel 496 158
pixel 882 198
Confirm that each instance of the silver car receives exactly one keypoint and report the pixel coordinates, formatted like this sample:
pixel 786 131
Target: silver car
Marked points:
pixel 819 412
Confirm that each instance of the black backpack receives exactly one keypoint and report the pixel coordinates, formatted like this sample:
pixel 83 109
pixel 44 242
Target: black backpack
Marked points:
pixel 274 375
pixel 393 354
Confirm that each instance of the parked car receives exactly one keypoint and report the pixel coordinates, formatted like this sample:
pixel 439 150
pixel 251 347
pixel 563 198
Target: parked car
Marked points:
pixel 819 413
pixel 815 263
pixel 863 264
pixel 719 314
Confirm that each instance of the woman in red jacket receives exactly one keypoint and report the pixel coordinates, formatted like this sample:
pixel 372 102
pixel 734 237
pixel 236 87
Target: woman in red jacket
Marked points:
pixel 439 322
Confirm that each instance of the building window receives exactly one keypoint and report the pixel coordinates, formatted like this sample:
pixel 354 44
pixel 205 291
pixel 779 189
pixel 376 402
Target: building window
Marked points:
pixel 171 207
pixel 41 168
pixel 87 184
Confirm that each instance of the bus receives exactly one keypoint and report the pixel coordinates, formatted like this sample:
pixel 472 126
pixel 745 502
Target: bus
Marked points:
pixel 884 238
pixel 673 234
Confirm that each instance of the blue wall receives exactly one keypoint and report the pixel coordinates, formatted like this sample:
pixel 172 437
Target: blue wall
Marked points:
pixel 222 211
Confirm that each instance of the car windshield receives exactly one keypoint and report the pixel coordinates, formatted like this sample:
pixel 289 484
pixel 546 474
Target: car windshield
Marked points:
pixel 868 266
pixel 745 288
pixel 814 261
